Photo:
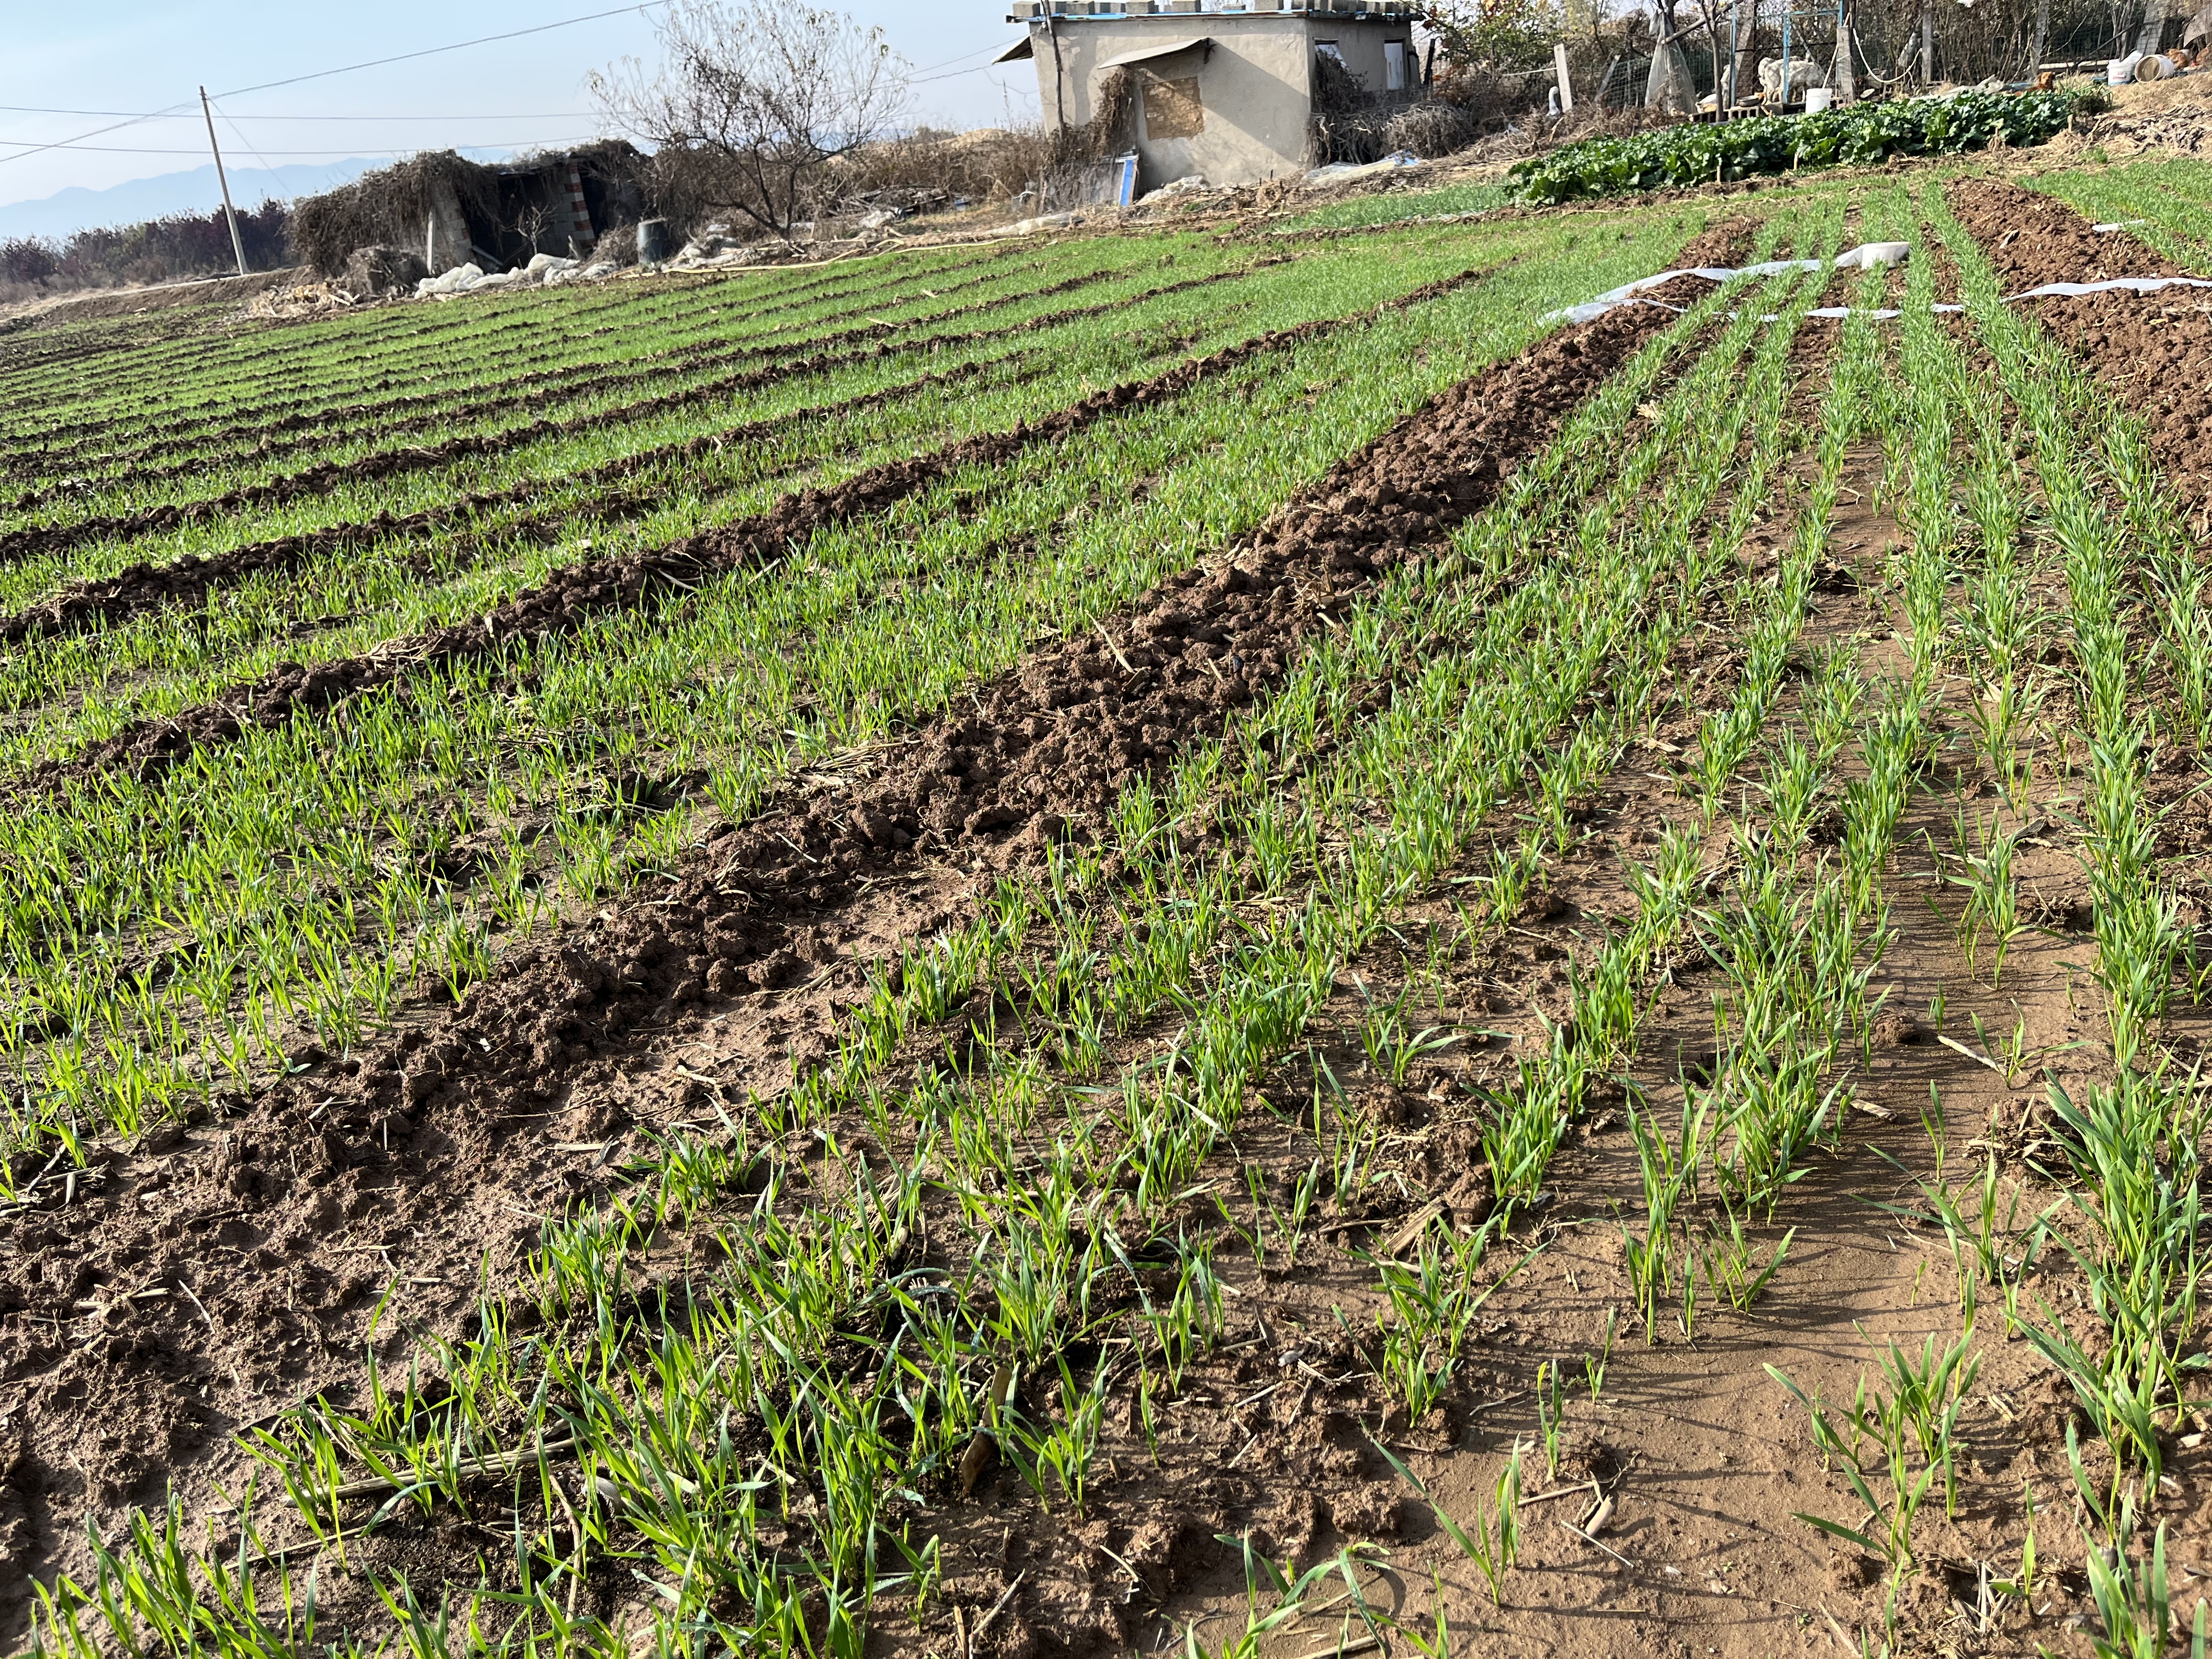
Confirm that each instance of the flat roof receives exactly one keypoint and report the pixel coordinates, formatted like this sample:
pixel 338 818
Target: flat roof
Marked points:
pixel 1034 12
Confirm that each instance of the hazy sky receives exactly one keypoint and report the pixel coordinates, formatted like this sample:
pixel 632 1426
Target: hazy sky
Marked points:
pixel 132 57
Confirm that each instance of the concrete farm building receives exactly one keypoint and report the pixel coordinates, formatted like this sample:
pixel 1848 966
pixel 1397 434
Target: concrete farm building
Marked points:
pixel 1222 89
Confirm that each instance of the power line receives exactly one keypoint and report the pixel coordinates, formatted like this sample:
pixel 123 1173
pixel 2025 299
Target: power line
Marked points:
pixel 924 69
pixel 97 132
pixel 78 142
pixel 922 77
pixel 156 115
pixel 924 80
pixel 244 139
pixel 181 114
pixel 357 150
pixel 432 51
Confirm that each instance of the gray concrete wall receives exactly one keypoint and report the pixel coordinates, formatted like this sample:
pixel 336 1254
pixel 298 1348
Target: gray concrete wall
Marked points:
pixel 447 242
pixel 1256 83
pixel 1360 45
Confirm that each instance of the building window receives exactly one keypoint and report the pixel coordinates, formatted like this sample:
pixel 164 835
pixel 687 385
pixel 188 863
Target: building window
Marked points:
pixel 1329 49
pixel 1394 66
pixel 1173 109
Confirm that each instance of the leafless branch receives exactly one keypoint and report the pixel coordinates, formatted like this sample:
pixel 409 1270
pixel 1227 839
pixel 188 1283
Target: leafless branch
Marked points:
pixel 753 100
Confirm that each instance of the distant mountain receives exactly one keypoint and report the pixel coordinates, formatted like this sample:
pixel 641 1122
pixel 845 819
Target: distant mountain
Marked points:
pixel 197 192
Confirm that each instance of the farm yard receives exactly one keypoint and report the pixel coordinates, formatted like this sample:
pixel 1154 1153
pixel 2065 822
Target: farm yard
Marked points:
pixel 1206 940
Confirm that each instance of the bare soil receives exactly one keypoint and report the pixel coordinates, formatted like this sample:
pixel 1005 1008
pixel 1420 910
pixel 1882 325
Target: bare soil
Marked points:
pixel 437 1151
pixel 137 302
pixel 2155 350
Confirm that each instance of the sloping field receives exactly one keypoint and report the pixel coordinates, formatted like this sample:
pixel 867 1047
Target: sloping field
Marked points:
pixel 1174 941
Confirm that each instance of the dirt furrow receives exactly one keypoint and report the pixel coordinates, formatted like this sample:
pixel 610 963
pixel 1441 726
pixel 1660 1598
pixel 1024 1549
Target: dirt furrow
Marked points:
pixel 441 408
pixel 2155 350
pixel 143 587
pixel 424 1150
pixel 320 479
pixel 570 594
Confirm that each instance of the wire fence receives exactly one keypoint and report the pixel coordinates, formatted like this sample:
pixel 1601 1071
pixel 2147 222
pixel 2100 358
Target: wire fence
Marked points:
pixel 1966 44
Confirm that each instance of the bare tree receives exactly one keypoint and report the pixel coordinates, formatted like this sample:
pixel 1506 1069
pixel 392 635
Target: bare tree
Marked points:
pixel 1709 14
pixel 753 100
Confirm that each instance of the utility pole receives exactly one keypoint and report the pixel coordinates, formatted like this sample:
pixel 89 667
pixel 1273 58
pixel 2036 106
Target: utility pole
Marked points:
pixel 1059 81
pixel 237 242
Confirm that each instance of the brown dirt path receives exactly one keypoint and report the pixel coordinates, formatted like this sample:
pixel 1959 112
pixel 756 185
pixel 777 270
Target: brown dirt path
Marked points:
pixel 1705 1458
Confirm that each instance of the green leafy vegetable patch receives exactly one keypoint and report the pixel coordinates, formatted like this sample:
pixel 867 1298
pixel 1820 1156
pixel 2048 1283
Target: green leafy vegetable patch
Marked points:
pixel 1857 134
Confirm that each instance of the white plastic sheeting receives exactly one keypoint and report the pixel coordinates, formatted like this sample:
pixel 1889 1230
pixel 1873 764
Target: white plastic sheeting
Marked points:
pixel 1865 257
pixel 2130 284
pixel 1338 172
pixel 544 268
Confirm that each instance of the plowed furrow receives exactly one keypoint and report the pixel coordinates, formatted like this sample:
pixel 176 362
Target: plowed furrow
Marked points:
pixel 321 479
pixel 2155 350
pixel 143 587
pixel 433 409
pixel 573 594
